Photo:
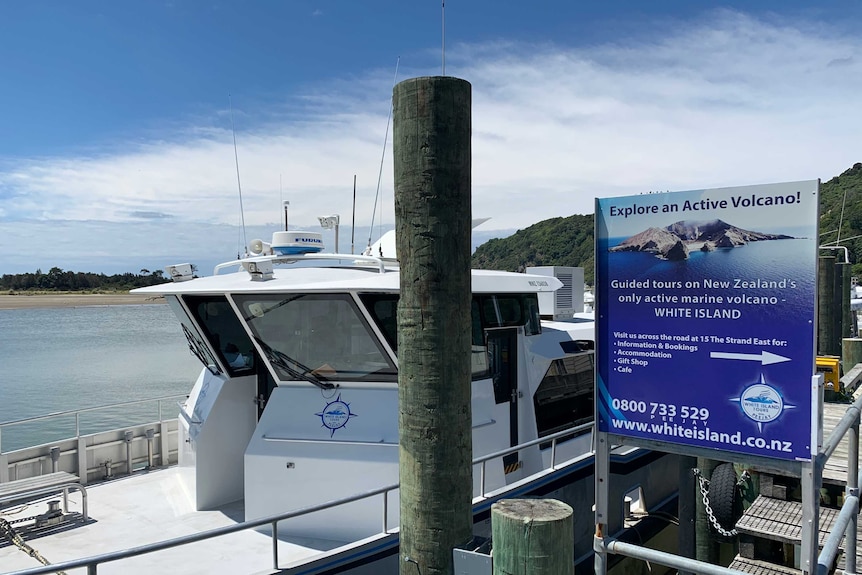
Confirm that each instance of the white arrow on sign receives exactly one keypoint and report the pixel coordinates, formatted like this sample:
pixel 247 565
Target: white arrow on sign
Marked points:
pixel 764 357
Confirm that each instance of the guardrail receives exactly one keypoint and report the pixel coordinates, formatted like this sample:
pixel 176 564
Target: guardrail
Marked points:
pixel 92 563
pixel 845 524
pixel 77 413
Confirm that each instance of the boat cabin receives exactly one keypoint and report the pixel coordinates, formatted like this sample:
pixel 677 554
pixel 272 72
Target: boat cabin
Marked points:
pixel 297 403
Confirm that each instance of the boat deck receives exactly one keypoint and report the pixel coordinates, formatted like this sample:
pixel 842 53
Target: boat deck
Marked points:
pixel 144 508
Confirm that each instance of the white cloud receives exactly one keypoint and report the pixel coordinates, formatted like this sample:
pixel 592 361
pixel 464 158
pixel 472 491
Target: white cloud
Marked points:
pixel 728 100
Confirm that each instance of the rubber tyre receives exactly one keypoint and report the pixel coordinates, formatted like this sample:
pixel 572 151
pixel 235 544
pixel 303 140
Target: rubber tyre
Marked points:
pixel 725 499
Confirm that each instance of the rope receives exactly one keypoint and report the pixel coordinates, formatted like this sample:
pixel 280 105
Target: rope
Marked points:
pixel 15 538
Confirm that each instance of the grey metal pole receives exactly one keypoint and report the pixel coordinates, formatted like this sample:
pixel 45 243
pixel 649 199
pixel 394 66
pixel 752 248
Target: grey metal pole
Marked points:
pixel 810 516
pixel 668 559
pixel 151 434
pixel 602 484
pixel 852 489
pixel 128 436
pixel 55 459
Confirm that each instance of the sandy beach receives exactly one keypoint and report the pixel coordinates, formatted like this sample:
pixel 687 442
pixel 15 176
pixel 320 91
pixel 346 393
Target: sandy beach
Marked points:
pixel 22 301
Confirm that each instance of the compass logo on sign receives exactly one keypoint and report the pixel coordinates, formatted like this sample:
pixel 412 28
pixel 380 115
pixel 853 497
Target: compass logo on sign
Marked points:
pixel 761 403
pixel 335 415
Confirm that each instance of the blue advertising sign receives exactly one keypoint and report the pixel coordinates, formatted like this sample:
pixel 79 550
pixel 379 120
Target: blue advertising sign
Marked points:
pixel 706 317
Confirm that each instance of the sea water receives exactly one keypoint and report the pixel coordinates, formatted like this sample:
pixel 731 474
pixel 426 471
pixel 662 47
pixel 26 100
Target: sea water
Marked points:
pixel 59 359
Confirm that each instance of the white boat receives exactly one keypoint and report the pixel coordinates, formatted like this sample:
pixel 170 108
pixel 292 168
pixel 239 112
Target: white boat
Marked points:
pixel 296 409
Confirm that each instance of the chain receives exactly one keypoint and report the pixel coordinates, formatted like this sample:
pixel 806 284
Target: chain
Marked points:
pixel 15 538
pixel 704 492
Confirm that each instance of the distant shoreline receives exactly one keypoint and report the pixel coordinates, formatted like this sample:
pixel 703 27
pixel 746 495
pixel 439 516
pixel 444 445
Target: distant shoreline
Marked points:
pixel 30 301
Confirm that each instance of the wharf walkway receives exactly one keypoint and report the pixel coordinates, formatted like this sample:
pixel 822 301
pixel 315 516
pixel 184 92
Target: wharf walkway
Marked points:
pixel 772 525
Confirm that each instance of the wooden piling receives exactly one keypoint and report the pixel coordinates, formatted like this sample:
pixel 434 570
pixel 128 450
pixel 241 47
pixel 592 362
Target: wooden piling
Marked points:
pixel 431 146
pixel 532 537
pixel 706 548
pixel 826 312
pixel 687 508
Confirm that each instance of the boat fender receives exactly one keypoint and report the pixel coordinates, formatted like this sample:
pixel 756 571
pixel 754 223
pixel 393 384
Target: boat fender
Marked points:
pixel 725 499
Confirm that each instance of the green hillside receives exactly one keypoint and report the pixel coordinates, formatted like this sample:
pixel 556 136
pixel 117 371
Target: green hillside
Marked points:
pixel 569 241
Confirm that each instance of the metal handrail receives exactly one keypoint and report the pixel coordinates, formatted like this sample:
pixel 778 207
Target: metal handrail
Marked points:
pixel 844 526
pixel 78 412
pixel 92 562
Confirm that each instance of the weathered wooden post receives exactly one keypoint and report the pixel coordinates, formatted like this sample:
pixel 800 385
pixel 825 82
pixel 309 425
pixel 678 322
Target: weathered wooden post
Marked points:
pixel 826 316
pixel 847 324
pixel 431 145
pixel 706 549
pixel 687 508
pixel 533 537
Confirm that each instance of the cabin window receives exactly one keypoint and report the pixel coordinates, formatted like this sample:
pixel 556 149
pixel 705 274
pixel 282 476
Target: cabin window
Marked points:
pixel 383 308
pixel 510 310
pixel 322 336
pixel 486 311
pixel 478 346
pixel 565 397
pixel 224 331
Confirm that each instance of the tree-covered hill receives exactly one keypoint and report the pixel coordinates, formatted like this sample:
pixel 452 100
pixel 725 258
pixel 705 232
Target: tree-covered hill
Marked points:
pixel 569 241
pixel 67 281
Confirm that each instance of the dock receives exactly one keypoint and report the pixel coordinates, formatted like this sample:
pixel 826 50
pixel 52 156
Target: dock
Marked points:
pixel 770 529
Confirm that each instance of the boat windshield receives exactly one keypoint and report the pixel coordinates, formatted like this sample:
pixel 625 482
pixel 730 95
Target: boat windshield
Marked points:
pixel 322 333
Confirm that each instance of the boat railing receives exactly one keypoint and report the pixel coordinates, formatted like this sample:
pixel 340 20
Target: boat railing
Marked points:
pixel 92 562
pixel 77 413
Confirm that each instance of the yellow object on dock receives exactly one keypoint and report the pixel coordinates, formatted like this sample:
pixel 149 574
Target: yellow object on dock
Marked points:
pixel 829 367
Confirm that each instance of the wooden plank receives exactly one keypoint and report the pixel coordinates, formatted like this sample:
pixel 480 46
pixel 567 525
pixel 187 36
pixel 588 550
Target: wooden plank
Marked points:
pixel 779 520
pixel 835 470
pixel 756 567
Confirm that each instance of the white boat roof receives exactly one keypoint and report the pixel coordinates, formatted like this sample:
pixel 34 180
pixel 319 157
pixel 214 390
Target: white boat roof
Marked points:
pixel 340 279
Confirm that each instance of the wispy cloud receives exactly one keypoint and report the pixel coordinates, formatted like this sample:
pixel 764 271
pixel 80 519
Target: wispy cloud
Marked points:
pixel 727 100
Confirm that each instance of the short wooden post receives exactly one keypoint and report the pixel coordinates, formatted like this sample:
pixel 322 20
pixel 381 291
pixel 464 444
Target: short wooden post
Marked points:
pixel 532 537
pixel 431 149
pixel 851 352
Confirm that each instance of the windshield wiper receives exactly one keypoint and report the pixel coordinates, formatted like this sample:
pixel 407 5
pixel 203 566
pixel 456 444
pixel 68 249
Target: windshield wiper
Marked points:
pixel 201 351
pixel 287 363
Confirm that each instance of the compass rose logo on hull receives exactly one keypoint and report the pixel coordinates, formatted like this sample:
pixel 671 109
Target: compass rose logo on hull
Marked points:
pixel 335 415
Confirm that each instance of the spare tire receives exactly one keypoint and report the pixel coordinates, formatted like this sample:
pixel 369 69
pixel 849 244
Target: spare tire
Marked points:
pixel 725 499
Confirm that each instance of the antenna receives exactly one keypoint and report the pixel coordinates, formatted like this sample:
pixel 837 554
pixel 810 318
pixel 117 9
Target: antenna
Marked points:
pixel 841 221
pixel 380 173
pixel 281 197
pixel 238 185
pixel 443 19
pixel 353 223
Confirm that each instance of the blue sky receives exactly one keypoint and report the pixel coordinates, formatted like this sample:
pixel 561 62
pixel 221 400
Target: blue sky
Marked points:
pixel 117 151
